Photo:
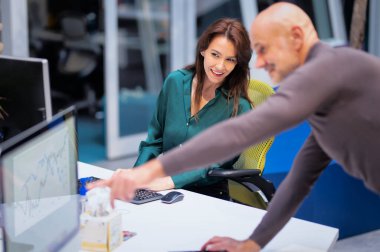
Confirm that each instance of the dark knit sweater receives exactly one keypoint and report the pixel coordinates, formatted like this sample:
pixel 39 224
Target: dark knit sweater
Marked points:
pixel 338 92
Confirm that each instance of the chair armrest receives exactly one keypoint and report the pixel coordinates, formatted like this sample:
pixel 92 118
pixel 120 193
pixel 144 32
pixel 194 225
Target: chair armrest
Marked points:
pixel 233 173
pixel 250 178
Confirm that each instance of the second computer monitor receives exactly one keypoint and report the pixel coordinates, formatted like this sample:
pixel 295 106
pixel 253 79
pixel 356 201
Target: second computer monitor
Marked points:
pixel 25 98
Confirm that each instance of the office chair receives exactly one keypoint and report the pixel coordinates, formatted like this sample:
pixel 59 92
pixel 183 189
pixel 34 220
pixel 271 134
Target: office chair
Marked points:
pixel 245 183
pixel 77 61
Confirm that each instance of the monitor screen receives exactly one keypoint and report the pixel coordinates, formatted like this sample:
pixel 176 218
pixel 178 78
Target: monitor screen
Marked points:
pixel 24 94
pixel 40 206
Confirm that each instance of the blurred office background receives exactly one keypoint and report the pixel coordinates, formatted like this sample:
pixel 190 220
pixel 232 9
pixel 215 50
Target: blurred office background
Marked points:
pixel 110 57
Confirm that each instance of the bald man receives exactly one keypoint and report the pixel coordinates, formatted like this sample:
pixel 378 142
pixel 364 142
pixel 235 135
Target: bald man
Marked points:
pixel 336 90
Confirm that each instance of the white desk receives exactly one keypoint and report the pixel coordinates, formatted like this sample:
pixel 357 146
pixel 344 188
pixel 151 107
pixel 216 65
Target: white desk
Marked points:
pixel 188 224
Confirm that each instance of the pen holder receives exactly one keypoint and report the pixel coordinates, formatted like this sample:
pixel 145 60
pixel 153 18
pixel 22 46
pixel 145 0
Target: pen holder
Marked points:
pixel 101 233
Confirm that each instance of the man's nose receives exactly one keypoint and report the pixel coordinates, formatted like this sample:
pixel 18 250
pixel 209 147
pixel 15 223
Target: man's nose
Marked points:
pixel 260 62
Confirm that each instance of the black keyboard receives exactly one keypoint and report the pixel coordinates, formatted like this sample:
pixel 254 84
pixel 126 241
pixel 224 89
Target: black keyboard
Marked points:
pixel 144 195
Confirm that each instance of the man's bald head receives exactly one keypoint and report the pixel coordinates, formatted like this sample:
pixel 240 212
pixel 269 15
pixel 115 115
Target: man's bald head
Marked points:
pixel 284 30
pixel 283 17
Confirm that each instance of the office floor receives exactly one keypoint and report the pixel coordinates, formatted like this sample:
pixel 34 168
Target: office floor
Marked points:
pixel 368 242
pixel 127 162
pixel 91 143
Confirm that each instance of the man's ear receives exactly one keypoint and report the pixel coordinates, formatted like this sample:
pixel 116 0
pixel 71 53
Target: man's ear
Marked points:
pixel 297 37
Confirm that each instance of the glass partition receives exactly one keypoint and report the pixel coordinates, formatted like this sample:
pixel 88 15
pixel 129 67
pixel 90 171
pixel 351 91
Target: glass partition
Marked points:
pixel 137 60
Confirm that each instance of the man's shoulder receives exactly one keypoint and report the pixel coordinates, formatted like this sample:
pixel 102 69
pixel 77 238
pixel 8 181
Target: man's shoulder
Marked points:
pixel 340 53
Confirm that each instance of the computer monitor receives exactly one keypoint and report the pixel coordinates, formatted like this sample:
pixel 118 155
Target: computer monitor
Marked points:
pixel 24 94
pixel 38 186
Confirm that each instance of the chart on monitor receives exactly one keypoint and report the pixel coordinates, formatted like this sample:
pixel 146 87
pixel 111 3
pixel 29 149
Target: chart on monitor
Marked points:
pixel 38 189
pixel 39 186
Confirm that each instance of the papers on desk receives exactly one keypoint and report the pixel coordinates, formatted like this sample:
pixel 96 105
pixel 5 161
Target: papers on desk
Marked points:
pixel 127 235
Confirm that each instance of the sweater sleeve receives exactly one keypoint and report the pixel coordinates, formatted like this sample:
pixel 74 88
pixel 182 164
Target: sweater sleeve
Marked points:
pixel 307 167
pixel 300 95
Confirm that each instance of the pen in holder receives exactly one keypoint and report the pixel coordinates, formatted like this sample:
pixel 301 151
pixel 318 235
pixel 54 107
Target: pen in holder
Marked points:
pixel 100 224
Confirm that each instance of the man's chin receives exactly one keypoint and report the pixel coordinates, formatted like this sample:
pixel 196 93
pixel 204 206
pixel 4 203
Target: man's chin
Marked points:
pixel 275 78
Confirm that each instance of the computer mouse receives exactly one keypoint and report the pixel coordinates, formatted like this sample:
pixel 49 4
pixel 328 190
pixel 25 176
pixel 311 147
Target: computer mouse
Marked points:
pixel 172 197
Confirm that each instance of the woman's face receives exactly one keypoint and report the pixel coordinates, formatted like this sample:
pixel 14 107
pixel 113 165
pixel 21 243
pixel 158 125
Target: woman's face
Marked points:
pixel 219 60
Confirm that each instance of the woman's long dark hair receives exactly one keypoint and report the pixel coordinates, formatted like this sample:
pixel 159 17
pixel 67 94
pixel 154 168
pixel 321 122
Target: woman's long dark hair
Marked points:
pixel 236 83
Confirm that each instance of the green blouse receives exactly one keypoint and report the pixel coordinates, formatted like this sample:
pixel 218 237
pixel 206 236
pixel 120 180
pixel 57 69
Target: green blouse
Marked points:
pixel 172 124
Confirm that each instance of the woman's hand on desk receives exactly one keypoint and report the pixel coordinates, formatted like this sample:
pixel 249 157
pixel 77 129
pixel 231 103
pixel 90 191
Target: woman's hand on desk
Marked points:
pixel 124 182
pixel 218 243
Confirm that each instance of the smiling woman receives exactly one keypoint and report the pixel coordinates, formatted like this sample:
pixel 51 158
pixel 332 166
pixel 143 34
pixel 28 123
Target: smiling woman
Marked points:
pixel 219 61
pixel 228 43
pixel 192 99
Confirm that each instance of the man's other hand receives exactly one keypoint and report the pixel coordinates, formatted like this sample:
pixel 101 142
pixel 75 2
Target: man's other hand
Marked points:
pixel 218 243
pixel 124 182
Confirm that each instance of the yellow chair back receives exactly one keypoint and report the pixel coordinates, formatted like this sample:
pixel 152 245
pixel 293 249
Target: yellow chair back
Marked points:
pixel 253 157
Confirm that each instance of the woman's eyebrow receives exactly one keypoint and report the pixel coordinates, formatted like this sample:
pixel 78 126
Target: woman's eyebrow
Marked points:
pixel 234 56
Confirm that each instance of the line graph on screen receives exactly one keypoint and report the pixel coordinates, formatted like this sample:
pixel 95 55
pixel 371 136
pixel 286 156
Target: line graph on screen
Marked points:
pixel 41 175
